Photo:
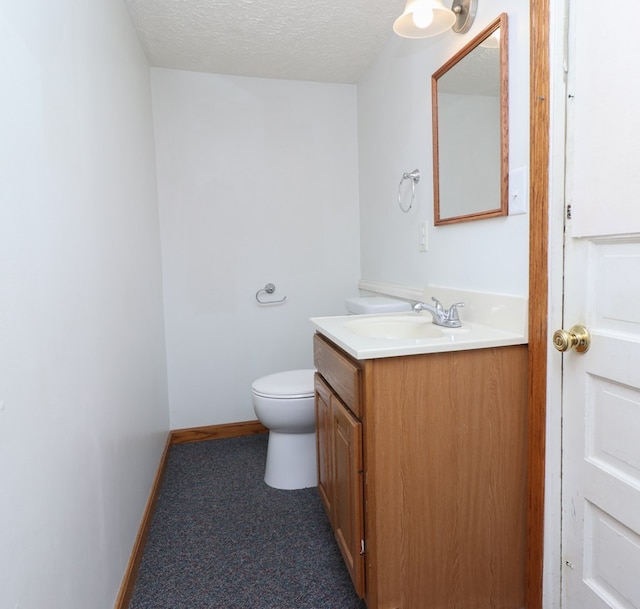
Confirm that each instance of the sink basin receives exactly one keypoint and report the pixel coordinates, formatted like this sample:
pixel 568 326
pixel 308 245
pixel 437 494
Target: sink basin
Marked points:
pixel 398 327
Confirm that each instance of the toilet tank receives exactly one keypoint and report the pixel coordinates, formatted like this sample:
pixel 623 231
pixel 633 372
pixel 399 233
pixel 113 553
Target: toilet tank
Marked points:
pixel 361 305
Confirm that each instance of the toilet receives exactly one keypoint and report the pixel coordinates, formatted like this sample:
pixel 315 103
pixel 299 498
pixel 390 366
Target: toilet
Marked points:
pixel 285 404
pixel 366 305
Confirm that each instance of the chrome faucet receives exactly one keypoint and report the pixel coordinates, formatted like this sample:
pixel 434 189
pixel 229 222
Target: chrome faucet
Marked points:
pixel 448 318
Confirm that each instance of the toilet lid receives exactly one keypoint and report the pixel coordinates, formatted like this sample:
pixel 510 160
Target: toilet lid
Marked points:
pixel 290 384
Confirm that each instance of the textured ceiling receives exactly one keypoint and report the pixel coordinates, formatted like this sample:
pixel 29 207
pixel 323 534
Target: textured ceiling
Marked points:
pixel 478 73
pixel 318 40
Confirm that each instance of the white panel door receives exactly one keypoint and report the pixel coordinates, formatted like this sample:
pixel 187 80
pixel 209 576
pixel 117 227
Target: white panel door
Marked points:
pixel 601 388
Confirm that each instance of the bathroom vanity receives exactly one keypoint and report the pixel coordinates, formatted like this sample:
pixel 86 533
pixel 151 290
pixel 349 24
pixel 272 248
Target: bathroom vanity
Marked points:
pixel 422 467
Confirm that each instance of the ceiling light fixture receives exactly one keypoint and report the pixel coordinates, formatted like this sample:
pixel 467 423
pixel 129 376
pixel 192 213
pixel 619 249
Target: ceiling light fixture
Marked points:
pixel 424 18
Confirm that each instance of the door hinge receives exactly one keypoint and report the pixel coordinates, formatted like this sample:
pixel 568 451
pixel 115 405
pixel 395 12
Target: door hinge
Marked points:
pixel 569 211
pixel 361 547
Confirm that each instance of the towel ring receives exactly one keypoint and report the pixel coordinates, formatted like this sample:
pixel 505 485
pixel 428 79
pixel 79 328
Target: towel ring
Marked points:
pixel 268 289
pixel 414 176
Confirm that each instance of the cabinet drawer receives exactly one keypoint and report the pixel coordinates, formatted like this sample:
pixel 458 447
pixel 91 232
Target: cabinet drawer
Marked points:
pixel 342 374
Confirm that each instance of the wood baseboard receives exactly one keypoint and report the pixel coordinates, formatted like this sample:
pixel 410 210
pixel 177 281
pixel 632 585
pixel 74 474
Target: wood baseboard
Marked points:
pixel 217 432
pixel 178 436
pixel 129 580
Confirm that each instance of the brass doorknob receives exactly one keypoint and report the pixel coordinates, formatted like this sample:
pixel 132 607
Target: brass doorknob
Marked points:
pixel 577 338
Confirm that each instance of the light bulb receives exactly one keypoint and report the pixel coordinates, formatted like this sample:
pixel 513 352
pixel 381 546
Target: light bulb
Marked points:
pixel 422 16
pixel 493 42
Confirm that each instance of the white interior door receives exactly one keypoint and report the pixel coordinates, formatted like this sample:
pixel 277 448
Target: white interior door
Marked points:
pixel 601 388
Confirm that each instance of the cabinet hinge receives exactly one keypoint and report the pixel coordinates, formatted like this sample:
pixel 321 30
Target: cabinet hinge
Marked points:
pixel 569 211
pixel 361 547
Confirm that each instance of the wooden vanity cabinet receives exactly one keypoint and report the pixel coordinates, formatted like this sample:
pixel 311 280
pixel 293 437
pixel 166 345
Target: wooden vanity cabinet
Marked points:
pixel 340 477
pixel 442 499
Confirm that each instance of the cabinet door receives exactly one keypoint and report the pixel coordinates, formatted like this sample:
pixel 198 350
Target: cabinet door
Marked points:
pixel 324 435
pixel 348 517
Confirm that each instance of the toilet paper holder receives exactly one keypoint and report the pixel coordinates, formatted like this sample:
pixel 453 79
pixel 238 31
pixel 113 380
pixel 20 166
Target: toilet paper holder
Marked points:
pixel 270 288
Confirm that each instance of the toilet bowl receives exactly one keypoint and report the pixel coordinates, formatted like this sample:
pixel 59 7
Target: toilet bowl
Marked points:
pixel 285 404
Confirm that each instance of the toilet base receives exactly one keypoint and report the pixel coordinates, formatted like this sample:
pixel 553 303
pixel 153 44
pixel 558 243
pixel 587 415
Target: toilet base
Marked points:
pixel 291 460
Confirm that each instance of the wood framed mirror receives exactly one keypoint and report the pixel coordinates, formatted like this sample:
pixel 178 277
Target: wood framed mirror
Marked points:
pixel 470 106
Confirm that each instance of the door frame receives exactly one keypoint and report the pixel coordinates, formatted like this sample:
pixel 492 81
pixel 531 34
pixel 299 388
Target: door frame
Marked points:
pixel 539 292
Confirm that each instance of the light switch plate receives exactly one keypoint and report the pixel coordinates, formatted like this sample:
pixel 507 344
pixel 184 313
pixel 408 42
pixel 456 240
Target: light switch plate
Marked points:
pixel 518 191
pixel 423 243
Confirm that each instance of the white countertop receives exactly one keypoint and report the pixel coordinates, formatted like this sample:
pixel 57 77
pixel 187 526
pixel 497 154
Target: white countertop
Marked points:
pixel 487 321
pixel 470 336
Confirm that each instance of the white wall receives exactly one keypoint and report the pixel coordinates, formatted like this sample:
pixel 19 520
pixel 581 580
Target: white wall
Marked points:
pixel 394 128
pixel 257 184
pixel 83 399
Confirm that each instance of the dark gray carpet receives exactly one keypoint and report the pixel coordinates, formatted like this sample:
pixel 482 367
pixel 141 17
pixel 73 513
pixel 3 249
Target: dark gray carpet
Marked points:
pixel 221 538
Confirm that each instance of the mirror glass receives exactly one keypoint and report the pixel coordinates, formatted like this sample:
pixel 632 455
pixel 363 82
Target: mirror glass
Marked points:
pixel 470 130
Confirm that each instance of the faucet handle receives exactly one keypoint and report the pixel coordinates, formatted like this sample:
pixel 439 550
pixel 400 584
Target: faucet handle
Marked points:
pixel 452 314
pixel 438 304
